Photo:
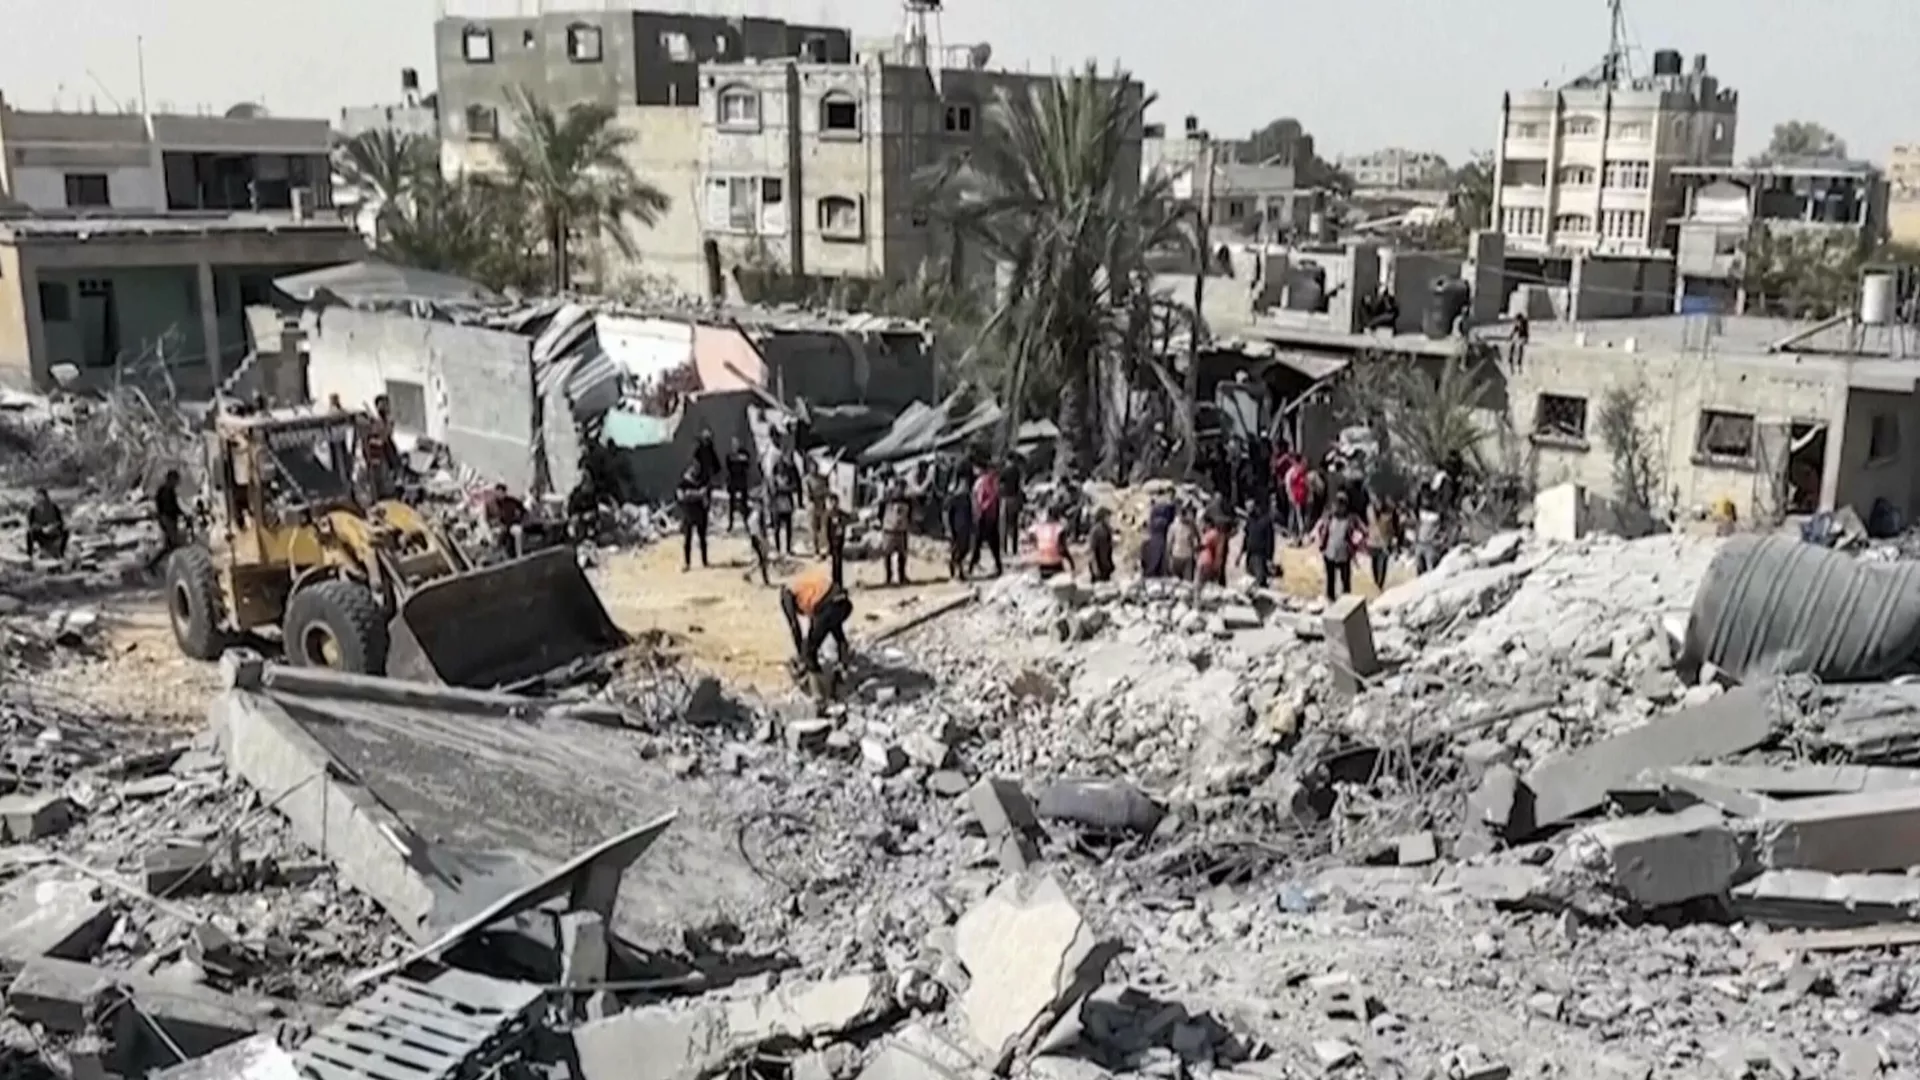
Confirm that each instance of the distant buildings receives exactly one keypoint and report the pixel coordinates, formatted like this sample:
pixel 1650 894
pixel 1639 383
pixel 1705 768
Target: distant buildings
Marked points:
pixel 1396 169
pixel 1262 201
pixel 130 242
pixel 411 115
pixel 1841 203
pixel 1903 177
pixel 1588 168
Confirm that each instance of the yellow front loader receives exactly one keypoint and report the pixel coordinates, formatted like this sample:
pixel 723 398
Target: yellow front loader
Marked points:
pixel 298 542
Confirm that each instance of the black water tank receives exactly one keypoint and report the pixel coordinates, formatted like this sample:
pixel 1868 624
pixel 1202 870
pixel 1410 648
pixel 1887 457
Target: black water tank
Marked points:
pixel 1666 62
pixel 409 80
pixel 1450 297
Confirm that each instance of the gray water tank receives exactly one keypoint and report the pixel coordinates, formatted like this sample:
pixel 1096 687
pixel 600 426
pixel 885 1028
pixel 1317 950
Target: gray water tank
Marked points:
pixel 1666 62
pixel 1450 297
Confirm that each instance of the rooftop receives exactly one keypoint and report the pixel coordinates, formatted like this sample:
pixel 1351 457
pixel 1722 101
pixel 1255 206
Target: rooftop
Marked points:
pixel 1865 355
pixel 48 226
pixel 1803 167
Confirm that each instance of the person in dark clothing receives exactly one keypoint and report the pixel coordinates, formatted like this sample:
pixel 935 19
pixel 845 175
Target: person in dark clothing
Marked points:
pixel 782 503
pixel 739 468
pixel 706 458
pixel 1154 562
pixel 46 527
pixel 1013 499
pixel 168 515
pixel 1100 545
pixel 692 495
pixel 1258 546
pixel 896 519
pixel 819 596
pixel 583 509
pixel 507 517
pixel 959 515
pixel 757 535
pixel 1340 536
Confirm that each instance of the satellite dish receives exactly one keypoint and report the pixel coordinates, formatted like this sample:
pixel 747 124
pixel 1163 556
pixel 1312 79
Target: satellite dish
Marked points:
pixel 246 110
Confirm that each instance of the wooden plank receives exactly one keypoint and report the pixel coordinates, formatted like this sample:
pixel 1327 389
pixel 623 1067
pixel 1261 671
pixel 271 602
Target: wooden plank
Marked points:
pixel 388 1028
pixel 388 1044
pixel 426 1000
pixel 324 1070
pixel 427 1015
pixel 374 1066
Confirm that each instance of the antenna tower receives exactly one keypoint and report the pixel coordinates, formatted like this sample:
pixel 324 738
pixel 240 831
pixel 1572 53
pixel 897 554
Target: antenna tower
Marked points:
pixel 1613 69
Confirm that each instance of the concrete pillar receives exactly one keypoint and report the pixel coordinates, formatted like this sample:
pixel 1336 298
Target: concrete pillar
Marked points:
pixel 209 324
pixel 39 360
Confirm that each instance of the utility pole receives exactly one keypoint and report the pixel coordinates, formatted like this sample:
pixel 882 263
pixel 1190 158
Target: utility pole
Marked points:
pixel 1203 173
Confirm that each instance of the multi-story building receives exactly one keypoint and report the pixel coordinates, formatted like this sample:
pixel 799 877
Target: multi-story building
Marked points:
pixel 819 166
pixel 1396 169
pixel 1588 168
pixel 1841 203
pixel 131 243
pixel 411 115
pixel 1903 181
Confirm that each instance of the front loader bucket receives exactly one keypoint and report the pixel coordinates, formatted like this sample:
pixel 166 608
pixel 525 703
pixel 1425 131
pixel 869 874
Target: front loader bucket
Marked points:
pixel 501 624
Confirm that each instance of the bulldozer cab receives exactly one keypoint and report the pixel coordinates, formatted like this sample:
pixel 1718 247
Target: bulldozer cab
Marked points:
pixel 267 472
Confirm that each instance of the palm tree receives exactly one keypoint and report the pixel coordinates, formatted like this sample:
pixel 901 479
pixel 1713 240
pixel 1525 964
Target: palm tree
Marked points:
pixel 387 167
pixel 573 169
pixel 466 225
pixel 1050 191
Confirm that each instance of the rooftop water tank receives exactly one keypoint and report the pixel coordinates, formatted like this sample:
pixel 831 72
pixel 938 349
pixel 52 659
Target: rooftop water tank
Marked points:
pixel 1666 62
pixel 1876 299
pixel 1450 297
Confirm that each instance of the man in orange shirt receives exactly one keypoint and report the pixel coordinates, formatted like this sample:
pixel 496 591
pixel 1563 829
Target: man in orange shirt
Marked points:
pixel 1050 551
pixel 818 595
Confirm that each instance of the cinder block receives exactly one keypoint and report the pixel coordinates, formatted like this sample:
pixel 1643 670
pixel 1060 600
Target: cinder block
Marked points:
pixel 1875 830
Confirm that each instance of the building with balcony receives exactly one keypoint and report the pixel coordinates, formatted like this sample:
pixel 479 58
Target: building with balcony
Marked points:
pixel 1588 168
pixel 1841 204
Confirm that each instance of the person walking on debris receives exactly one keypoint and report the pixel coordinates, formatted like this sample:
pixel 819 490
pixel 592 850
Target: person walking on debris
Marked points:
pixel 757 535
pixel 1100 545
pixel 1258 546
pixel 382 456
pixel 818 596
pixel 1298 496
pixel 692 496
pixel 819 495
pixel 507 517
pixel 1013 500
pixel 1210 562
pixel 960 526
pixel 1383 539
pixel 1050 551
pixel 706 457
pixel 1183 545
pixel 46 527
pixel 168 515
pixel 1155 550
pixel 1339 536
pixel 986 519
pixel 782 499
pixel 896 515
pixel 739 469
pixel 583 509
pixel 1427 532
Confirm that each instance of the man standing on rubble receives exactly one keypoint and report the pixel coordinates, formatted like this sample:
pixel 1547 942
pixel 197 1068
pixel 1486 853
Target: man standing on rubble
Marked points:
pixel 706 457
pixel 382 456
pixel 960 526
pixel 507 517
pixel 896 515
pixel 692 496
pixel 168 515
pixel 1050 552
pixel 739 469
pixel 986 519
pixel 46 527
pixel 1100 545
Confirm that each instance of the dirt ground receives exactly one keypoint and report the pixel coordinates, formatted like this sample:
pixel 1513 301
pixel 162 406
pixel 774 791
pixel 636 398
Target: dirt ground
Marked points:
pixel 723 619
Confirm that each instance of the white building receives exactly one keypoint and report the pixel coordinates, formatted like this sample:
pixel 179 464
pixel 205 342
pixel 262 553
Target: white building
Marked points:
pixel 1588 168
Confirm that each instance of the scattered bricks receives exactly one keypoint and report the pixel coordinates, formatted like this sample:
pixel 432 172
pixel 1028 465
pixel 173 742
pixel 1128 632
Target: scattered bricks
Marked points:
pixel 1335 1053
pixel 810 734
pixel 1568 786
pixel 882 758
pixel 1240 617
pixel 1350 642
pixel 1002 807
pixel 947 784
pixel 1667 858
pixel 52 912
pixel 1417 849
pixel 925 750
pixel 30 817
pixel 1875 830
pixel 170 871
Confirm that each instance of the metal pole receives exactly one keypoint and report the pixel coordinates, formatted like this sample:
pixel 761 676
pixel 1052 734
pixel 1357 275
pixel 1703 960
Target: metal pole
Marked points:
pixel 1203 165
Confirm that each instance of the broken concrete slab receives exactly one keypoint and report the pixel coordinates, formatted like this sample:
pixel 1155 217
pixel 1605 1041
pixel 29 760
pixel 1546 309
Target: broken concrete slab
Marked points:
pixel 1796 780
pixel 1815 898
pixel 27 817
pixel 1569 786
pixel 916 1052
pixel 1416 849
pixel 52 912
pixel 1873 830
pixel 1685 787
pixel 667 1043
pixel 64 997
pixel 1664 859
pixel 257 1058
pixel 1505 885
pixel 1002 807
pixel 1349 632
pixel 1030 955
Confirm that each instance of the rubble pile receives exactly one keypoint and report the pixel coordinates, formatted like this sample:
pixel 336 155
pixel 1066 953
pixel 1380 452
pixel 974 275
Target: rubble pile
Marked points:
pixel 1492 823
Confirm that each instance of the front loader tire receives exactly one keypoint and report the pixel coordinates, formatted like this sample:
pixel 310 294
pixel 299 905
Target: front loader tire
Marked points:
pixel 194 604
pixel 336 624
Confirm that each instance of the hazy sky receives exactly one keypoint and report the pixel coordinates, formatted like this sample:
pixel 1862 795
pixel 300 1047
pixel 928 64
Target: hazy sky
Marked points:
pixel 1359 73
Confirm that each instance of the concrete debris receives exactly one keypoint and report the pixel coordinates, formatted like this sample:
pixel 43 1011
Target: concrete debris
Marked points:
pixel 257 1058
pixel 1030 956
pixel 24 818
pixel 1665 858
pixel 52 912
pixel 1814 898
pixel 1873 830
